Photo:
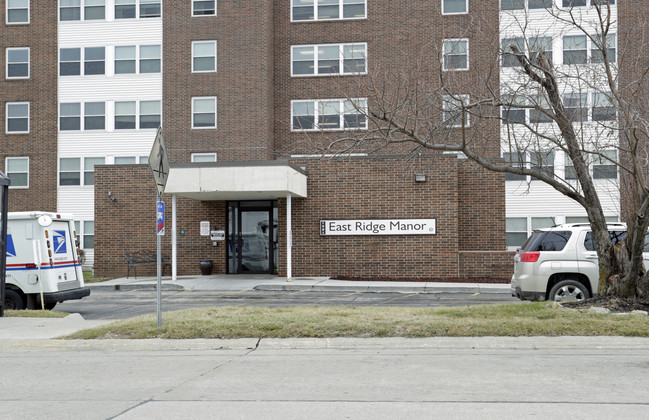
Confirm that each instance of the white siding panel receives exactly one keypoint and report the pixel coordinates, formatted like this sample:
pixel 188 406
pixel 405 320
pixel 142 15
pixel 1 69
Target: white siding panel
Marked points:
pixel 77 200
pixel 118 32
pixel 116 143
pixel 104 88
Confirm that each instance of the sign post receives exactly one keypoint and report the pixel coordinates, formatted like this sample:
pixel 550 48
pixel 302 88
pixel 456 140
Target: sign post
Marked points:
pixel 4 189
pixel 159 163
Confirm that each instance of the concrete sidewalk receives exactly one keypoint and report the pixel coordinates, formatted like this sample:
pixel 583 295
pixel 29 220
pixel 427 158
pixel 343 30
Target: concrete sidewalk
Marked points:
pixel 270 282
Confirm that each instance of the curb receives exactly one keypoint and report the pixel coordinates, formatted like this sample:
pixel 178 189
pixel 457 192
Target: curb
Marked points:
pixel 469 288
pixel 134 286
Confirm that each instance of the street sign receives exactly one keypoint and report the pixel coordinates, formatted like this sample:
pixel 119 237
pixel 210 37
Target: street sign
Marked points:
pixel 159 162
pixel 160 218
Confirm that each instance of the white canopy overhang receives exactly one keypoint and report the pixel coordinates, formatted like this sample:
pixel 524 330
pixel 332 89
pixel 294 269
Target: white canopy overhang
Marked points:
pixel 257 180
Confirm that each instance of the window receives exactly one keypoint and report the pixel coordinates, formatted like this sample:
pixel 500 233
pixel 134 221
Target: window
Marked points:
pixel 70 61
pixel 573 3
pixel 89 169
pixel 520 4
pixel 603 109
pixel 456 54
pixel 125 60
pixel 94 9
pixel 88 234
pixel 596 55
pixel 69 116
pixel 516 160
pixel 574 49
pixel 329 114
pixel 535 46
pixel 150 8
pixel 542 111
pixel 305 10
pixel 143 159
pixel 204 112
pixel 149 114
pixel 125 9
pixel 150 59
pixel 203 157
pixel 124 160
pixel 576 106
pixel 515 231
pixel 538 45
pixel 69 171
pixel 604 165
pixel 454 6
pixel 328 59
pixel 203 56
pixel 17 12
pixel 18 171
pixel 17 117
pixel 17 63
pixel 203 7
pixel 94 116
pixel 69 10
pixel 512 111
pixel 509 59
pixel 569 168
pixel 454 111
pixel 125 115
pixel 94 60
pixel 542 161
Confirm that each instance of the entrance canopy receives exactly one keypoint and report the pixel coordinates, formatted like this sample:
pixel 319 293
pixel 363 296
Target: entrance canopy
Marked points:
pixel 254 180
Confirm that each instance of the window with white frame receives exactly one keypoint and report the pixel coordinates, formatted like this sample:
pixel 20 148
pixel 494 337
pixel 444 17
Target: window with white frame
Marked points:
pixel 515 231
pixel 576 106
pixel 513 110
pixel 533 46
pixel 133 9
pixel 17 63
pixel 204 112
pixel 602 107
pixel 150 61
pixel 203 56
pixel 71 117
pixel 329 114
pixel 456 54
pixel 543 161
pixel 604 165
pixel 72 10
pixel 454 110
pixel 542 112
pixel 150 114
pixel 311 10
pixel 515 160
pixel 508 57
pixel 17 118
pixel 606 44
pixel 568 168
pixel 451 7
pixel 69 10
pixel 89 169
pixel 203 157
pixel 128 57
pixel 70 62
pixel 125 60
pixel 143 159
pixel 328 59
pixel 69 171
pixel 17 12
pixel 94 60
pixel 88 234
pixel 575 50
pixel 70 59
pixel 203 7
pixel 125 160
pixel 17 169
pixel 581 3
pixel 127 117
pixel 523 4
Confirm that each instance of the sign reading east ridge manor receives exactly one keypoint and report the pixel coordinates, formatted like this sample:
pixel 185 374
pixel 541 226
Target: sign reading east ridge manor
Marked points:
pixel 378 227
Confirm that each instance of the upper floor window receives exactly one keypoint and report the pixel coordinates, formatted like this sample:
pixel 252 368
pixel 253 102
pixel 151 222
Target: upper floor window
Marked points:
pixel 454 110
pixel 607 44
pixel 17 63
pixel 522 4
pixel 72 119
pixel 94 61
pixel 575 49
pixel 71 10
pixel 128 9
pixel 17 12
pixel 203 157
pixel 203 56
pixel 328 59
pixel 329 114
pixel 128 118
pixel 77 171
pixel 305 10
pixel 17 118
pixel 204 112
pixel 532 46
pixel 578 3
pixel 450 7
pixel 456 54
pixel 18 171
pixel 604 165
pixel 203 7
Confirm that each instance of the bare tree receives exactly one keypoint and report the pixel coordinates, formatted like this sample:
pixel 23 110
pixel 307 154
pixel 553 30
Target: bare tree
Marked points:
pixel 590 106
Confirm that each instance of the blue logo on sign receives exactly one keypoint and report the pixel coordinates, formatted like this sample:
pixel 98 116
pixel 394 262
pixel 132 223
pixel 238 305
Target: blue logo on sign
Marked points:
pixel 11 249
pixel 59 242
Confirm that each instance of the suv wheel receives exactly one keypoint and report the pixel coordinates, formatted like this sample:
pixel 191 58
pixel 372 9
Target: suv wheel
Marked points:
pixel 569 290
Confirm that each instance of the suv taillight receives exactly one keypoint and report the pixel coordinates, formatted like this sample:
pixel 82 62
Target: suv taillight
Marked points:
pixel 530 256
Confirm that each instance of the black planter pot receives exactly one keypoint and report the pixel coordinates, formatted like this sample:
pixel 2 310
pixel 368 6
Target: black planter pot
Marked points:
pixel 206 267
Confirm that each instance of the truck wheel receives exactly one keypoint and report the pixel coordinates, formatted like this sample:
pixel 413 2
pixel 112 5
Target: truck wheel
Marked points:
pixel 13 300
pixel 569 291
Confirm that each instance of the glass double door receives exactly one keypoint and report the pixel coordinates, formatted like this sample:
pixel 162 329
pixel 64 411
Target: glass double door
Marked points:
pixel 252 237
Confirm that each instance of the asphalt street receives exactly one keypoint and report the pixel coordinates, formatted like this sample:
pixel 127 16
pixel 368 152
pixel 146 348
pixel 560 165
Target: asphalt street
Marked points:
pixel 120 304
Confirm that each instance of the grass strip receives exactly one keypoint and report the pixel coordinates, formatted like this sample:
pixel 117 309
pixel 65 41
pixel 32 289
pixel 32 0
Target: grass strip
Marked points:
pixel 35 314
pixel 533 319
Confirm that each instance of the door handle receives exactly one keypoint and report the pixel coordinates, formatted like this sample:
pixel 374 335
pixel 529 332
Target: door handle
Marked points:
pixel 591 257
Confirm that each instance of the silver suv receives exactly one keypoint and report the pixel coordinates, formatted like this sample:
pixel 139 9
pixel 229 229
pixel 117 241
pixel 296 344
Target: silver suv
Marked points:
pixel 560 263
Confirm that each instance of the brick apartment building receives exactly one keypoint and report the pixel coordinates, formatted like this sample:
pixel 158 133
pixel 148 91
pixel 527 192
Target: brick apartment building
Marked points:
pixel 248 95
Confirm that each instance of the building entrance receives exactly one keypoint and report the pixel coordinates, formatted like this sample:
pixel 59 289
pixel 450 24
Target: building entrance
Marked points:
pixel 252 237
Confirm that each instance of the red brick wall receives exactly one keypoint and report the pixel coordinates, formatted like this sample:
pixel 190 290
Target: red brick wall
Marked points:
pixel 40 90
pixel 491 264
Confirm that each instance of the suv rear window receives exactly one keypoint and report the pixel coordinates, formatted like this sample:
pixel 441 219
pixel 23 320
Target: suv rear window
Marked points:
pixel 546 241
pixel 616 236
